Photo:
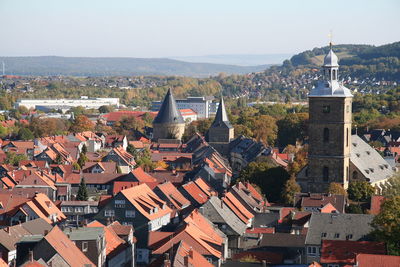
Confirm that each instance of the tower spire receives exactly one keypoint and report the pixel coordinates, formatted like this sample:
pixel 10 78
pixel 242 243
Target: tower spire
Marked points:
pixel 221 118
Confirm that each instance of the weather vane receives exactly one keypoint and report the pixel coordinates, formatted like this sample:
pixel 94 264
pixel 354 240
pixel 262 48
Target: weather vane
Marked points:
pixel 330 38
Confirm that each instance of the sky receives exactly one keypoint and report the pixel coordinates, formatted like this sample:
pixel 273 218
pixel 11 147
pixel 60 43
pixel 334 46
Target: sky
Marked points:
pixel 177 28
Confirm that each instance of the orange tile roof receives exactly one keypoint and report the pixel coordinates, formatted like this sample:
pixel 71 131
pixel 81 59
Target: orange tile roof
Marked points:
pixel 146 201
pixel 142 176
pixel 37 211
pixel 113 241
pixel 234 204
pixel 66 248
pixel 174 196
pixel 197 219
pixel 3 263
pixel 48 207
pixel 137 144
pixel 195 192
pixel 128 158
pixel 193 257
pixel 328 208
pixel 121 185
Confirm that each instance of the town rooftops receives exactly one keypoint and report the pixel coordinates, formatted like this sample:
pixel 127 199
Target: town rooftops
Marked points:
pixel 186 256
pixel 173 196
pixel 343 251
pixel 141 176
pixel 353 227
pixel 113 241
pixel 146 201
pixel 84 233
pixel 319 200
pixel 370 260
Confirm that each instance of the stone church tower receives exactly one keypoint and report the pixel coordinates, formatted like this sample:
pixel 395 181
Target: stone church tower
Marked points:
pixel 329 131
pixel 221 131
pixel 168 124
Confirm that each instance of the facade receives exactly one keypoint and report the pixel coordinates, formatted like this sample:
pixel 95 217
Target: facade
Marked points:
pixel 329 131
pixel 203 106
pixel 169 123
pixel 221 131
pixel 63 103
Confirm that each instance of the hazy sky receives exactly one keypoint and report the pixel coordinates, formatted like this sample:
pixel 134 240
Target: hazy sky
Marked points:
pixel 163 28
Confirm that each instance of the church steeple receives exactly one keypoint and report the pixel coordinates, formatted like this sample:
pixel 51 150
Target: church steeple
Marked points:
pixel 221 118
pixel 221 131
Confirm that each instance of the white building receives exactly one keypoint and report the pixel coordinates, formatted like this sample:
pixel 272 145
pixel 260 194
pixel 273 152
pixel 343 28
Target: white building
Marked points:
pixel 65 104
pixel 203 106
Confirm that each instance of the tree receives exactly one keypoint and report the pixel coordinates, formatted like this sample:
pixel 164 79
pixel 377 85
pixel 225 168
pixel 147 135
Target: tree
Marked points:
pixel 387 225
pixel 82 159
pixel 82 191
pixel 269 178
pixel 25 134
pixel 84 149
pixel 336 189
pixel 59 159
pixel 265 129
pixel 299 160
pixel 360 191
pixel 393 187
pixel 3 131
pixel 81 124
pixel 13 158
pixel 291 128
pixel 289 190
pixel 106 109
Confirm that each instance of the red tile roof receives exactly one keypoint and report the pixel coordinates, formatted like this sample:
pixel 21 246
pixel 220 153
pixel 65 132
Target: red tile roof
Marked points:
pixel 261 230
pixel 66 248
pixel 197 219
pixel 343 252
pixel 191 256
pixel 234 204
pixel 370 260
pixel 141 176
pixel 195 192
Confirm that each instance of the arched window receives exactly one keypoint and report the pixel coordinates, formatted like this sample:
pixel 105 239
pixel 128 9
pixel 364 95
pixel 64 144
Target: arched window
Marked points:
pixel 355 175
pixel 326 135
pixel 347 173
pixel 325 174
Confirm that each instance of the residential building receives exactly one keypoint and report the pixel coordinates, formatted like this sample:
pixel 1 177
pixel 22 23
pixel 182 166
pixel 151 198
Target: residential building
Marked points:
pixel 66 104
pixel 79 211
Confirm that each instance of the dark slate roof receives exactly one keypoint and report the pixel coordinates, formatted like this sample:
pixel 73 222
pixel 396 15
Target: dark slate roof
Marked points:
pixel 221 118
pixel 358 225
pixel 169 113
pixel 37 226
pixel 248 148
pixel 282 240
pixel 266 219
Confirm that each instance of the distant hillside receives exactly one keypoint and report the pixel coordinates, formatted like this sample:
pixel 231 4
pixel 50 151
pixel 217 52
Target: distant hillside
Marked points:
pixel 84 66
pixel 381 62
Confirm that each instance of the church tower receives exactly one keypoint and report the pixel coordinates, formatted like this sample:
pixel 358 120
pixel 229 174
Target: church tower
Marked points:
pixel 329 130
pixel 221 131
pixel 168 124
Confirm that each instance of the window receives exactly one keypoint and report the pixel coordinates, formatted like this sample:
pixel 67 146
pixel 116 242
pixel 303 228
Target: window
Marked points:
pixel 78 209
pixel 323 235
pixel 84 246
pixel 312 251
pixel 326 135
pixel 325 174
pixel 349 236
pixel 347 173
pixel 326 109
pixel 130 214
pixel 109 213
pixel 337 235
pixel 347 137
pixel 119 203
pixel 355 175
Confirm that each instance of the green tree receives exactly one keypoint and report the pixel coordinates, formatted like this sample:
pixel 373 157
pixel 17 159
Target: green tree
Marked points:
pixel 387 225
pixel 25 134
pixel 336 189
pixel 84 149
pixel 291 128
pixel 82 160
pixel 106 109
pixel 59 159
pixel 360 191
pixel 13 158
pixel 289 190
pixel 393 187
pixel 3 131
pixel 83 194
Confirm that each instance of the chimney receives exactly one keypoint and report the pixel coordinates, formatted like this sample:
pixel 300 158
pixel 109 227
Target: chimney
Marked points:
pixel 191 253
pixel 222 202
pixel 31 255
pixel 167 262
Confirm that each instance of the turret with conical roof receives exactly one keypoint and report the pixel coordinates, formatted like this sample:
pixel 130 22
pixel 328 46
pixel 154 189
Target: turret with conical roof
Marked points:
pixel 221 131
pixel 168 124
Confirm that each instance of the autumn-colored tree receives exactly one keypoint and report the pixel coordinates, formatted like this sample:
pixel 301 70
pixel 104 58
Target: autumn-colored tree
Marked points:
pixel 336 189
pixel 290 189
pixel 81 124
pixel 299 160
pixel 265 129
pixel 47 126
